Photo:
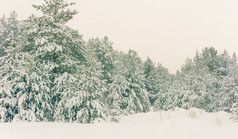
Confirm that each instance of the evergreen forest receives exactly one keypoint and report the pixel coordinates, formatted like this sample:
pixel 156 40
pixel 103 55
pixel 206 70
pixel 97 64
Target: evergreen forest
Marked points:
pixel 49 73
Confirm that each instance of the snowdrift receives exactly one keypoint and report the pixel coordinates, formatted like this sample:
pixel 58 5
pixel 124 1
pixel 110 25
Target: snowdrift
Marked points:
pixel 179 124
pixel 179 115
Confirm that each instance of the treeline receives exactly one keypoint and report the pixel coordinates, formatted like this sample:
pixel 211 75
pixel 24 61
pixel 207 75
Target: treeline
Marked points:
pixel 49 73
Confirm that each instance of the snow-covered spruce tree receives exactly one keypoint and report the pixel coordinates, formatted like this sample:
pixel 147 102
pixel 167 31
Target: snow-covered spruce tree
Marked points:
pixel 85 104
pixel 31 86
pixel 70 98
pixel 163 82
pixel 20 81
pixel 136 95
pixel 221 66
pixel 105 54
pixel 25 80
pixel 234 91
pixel 7 95
pixel 170 99
pixel 149 68
pixel 228 92
pixel 225 99
pixel 9 28
pixel 198 81
pixel 157 82
pixel 93 86
pixel 116 97
pixel 196 88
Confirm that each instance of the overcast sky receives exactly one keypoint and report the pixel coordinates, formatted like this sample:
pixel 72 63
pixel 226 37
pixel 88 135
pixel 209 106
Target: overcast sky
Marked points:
pixel 168 31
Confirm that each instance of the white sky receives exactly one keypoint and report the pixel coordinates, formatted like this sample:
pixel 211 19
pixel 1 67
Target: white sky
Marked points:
pixel 168 31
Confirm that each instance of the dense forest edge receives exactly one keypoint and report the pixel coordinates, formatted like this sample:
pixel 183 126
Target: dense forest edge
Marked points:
pixel 49 73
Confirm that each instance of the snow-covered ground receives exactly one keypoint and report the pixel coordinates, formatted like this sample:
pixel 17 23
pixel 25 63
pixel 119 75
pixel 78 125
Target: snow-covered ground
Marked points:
pixel 178 124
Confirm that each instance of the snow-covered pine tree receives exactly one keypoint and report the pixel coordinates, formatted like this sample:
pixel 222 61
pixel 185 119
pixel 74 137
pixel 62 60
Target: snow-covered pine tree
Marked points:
pixel 19 81
pixel 149 69
pixel 57 48
pixel 46 51
pixel 23 76
pixel 171 98
pixel 31 87
pixel 228 92
pixel 136 96
pixel 105 54
pixel 209 58
pixel 196 89
pixel 157 82
pixel 224 74
pixel 116 97
pixel 200 81
pixel 7 95
pixel 85 104
pixel 71 98
pixel 9 28
pixel 162 82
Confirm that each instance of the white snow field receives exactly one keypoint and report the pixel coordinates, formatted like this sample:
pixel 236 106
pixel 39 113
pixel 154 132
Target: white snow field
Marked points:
pixel 178 124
